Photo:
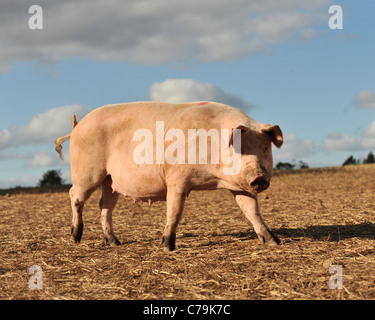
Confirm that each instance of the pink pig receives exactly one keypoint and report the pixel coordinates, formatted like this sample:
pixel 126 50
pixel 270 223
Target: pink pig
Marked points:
pixel 149 152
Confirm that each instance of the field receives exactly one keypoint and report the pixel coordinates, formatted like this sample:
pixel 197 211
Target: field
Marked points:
pixel 324 218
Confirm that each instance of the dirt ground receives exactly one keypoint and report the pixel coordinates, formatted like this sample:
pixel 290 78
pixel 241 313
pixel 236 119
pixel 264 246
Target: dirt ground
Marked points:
pixel 324 218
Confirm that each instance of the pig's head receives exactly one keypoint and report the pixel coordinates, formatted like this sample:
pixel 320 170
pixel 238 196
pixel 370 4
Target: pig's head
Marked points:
pixel 256 156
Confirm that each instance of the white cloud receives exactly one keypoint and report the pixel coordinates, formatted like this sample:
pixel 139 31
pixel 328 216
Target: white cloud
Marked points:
pixel 155 32
pixel 338 141
pixel 188 90
pixel 370 131
pixel 46 159
pixel 365 99
pixel 43 127
pixel 24 180
pixel 294 148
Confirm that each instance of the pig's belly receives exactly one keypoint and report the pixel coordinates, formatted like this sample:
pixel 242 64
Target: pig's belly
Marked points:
pixel 140 187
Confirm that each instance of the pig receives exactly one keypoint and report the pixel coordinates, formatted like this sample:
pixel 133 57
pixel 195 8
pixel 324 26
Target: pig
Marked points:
pixel 102 154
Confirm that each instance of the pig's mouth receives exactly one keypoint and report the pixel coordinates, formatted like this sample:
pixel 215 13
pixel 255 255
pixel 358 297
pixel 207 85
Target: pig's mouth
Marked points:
pixel 260 184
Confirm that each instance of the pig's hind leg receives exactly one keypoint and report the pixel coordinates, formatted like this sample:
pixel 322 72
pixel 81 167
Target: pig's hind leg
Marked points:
pixel 107 204
pixel 78 197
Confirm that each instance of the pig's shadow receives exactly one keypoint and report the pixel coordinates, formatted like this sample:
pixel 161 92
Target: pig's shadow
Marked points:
pixel 364 230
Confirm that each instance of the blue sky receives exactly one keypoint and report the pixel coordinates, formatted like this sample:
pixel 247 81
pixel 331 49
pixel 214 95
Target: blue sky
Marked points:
pixel 277 60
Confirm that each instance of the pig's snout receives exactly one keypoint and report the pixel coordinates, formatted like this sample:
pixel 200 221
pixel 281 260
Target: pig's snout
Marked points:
pixel 260 184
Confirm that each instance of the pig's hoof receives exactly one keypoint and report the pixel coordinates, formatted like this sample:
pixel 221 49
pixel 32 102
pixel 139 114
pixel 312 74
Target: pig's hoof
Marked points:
pixel 269 239
pixel 166 249
pixel 76 233
pixel 111 240
pixel 169 243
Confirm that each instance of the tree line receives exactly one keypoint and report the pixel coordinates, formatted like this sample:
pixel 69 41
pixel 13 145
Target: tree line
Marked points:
pixel 351 160
pixel 302 165
pixel 290 166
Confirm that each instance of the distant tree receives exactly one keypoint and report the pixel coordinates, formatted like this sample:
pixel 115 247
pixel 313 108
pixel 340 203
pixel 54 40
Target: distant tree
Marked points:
pixel 350 160
pixel 51 178
pixel 303 165
pixel 284 166
pixel 370 158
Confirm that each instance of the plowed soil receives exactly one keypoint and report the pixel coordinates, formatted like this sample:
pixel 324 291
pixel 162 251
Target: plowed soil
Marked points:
pixel 324 218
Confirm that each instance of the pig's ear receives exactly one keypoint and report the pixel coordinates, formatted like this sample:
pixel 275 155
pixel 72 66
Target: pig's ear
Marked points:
pixel 243 131
pixel 275 134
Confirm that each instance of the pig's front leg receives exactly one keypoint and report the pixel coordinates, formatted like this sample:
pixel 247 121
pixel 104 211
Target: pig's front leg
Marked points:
pixel 250 208
pixel 175 207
